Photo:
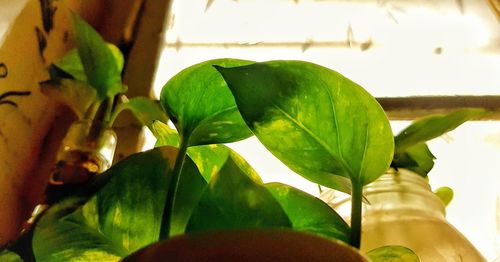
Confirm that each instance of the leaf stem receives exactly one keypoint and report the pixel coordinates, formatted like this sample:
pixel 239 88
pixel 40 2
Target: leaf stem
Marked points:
pixel 109 111
pixel 356 214
pixel 172 191
pixel 118 109
pixel 92 111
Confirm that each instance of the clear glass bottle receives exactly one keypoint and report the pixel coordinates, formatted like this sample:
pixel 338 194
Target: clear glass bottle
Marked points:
pixel 404 211
pixel 87 149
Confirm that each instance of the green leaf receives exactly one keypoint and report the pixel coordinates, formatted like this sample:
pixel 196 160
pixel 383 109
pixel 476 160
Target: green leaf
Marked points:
pixel 8 256
pixel 211 158
pixel 417 158
pixel 392 254
pixel 190 189
pixel 123 216
pixel 71 63
pixel 208 158
pixel 165 136
pixel 234 201
pixel 319 123
pixel 308 213
pixel 145 110
pixel 75 94
pixel 199 103
pixel 430 127
pixel 117 55
pixel 59 238
pixel 100 63
pixel 445 194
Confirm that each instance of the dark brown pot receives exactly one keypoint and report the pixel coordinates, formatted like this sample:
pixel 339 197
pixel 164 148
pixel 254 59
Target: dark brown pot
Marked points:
pixel 250 245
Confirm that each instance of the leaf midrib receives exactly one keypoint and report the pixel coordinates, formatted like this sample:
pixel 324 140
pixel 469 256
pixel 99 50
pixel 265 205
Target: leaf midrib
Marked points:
pixel 314 137
pixel 119 249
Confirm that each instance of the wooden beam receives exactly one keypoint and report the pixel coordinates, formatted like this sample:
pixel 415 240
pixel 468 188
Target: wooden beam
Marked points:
pixel 140 69
pixel 409 108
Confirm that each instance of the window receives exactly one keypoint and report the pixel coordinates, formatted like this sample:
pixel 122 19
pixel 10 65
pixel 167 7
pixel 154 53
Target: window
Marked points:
pixel 395 49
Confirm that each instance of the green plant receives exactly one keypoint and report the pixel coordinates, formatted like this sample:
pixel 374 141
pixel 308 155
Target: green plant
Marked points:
pixel 319 123
pixel 205 186
pixel 88 80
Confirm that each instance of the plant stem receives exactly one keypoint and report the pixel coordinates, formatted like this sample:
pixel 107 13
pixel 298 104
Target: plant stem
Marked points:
pixel 92 111
pixel 109 110
pixel 119 108
pixel 356 215
pixel 172 191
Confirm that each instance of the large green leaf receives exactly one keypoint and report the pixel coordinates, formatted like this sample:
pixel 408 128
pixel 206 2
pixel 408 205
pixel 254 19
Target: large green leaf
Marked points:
pixel 62 235
pixel 199 103
pixel 123 216
pixel 234 200
pixel 208 158
pixel 392 254
pixel 417 158
pixel 430 127
pixel 308 213
pixel 319 123
pixel 146 110
pixel 98 60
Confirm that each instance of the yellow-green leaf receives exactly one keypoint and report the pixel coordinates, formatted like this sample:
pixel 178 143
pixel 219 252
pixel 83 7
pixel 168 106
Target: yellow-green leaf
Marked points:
pixel 392 254
pixel 319 123
pixel 201 106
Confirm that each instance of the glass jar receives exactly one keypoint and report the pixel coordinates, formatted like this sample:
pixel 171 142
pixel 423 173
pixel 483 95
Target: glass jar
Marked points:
pixel 87 149
pixel 404 211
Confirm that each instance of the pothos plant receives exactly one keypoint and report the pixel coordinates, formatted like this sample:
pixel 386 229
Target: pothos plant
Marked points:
pixel 317 122
pixel 88 80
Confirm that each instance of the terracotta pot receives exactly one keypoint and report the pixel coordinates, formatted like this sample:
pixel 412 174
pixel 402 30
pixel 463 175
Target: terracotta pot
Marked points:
pixel 250 245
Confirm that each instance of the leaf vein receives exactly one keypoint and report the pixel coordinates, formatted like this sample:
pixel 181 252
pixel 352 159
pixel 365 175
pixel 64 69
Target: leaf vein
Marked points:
pixel 312 135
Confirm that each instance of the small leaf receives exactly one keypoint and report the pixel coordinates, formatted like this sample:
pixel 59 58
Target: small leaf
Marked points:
pixel 117 55
pixel 123 216
pixel 72 65
pixel 165 136
pixel 235 201
pixel 145 110
pixel 75 94
pixel 308 213
pixel 445 194
pixel 417 158
pixel 392 254
pixel 8 256
pixel 199 103
pixel 99 62
pixel 320 124
pixel 430 127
